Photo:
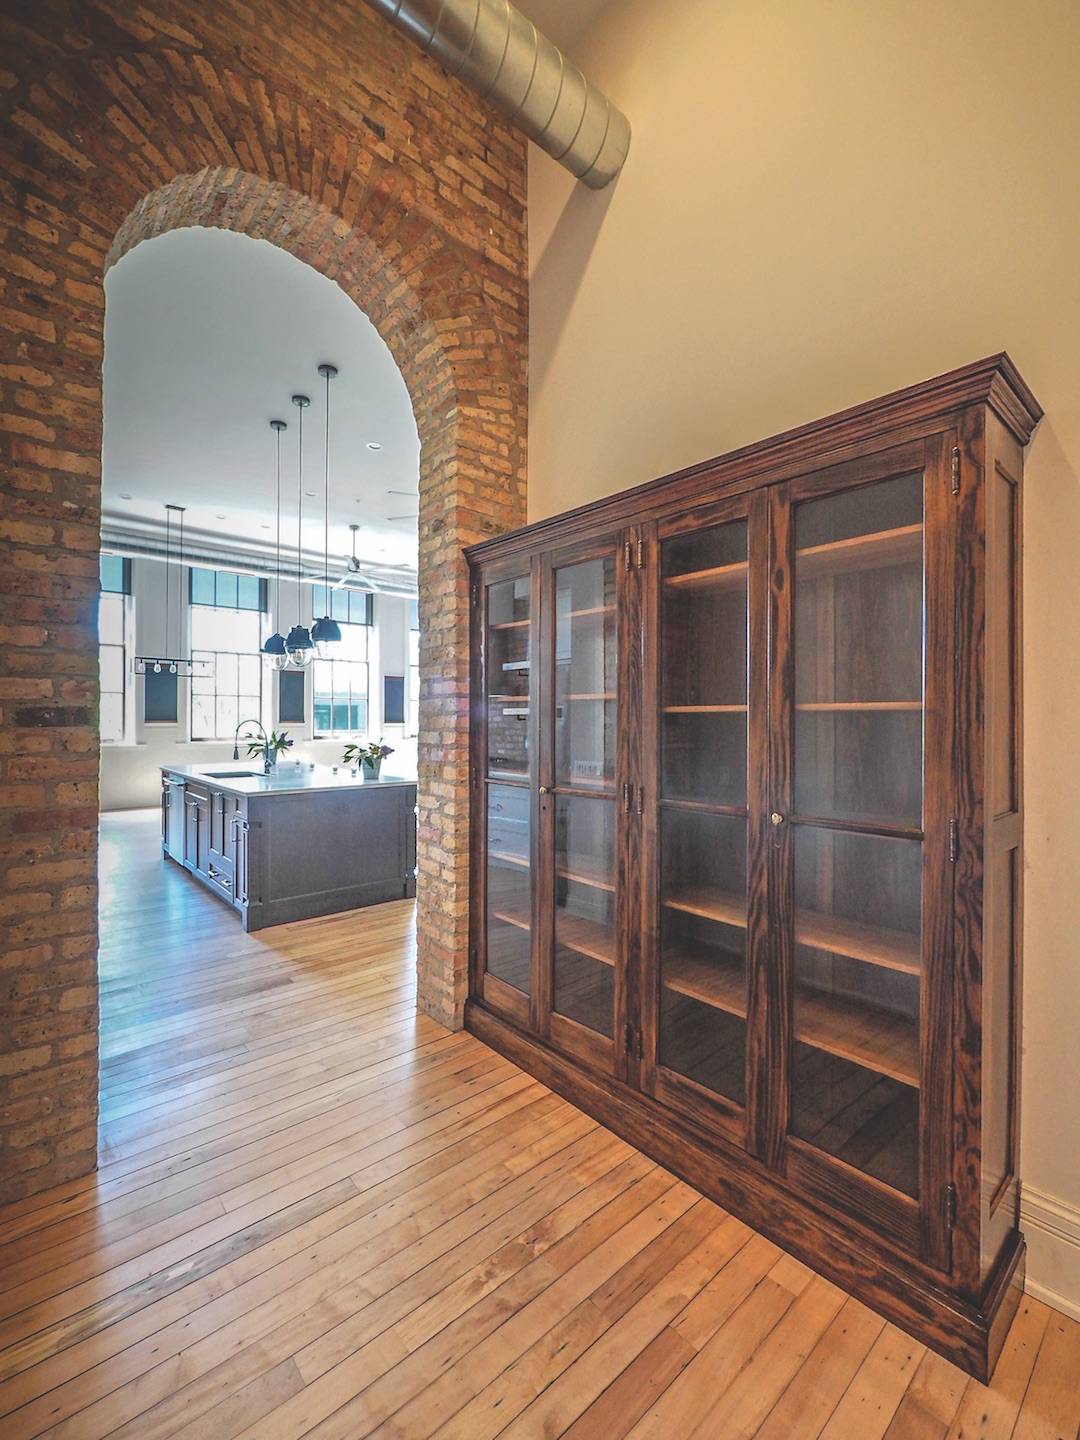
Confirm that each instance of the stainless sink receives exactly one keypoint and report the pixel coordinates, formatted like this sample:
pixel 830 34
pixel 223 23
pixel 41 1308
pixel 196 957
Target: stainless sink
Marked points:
pixel 232 774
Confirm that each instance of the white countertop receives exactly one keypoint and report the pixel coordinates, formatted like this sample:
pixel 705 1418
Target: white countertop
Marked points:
pixel 247 778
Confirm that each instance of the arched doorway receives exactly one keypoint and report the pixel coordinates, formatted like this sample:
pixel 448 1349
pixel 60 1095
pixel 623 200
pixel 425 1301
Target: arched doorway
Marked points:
pixel 329 137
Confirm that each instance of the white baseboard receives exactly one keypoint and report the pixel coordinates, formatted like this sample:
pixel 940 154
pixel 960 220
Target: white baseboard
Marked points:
pixel 1052 1231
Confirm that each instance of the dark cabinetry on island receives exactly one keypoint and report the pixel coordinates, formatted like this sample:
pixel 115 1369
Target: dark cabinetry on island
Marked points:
pixel 291 846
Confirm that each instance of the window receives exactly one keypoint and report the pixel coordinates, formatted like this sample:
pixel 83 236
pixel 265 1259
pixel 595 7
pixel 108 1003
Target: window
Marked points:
pixel 227 591
pixel 341 685
pixel 114 636
pixel 227 631
pixel 348 607
pixel 414 667
pixel 393 700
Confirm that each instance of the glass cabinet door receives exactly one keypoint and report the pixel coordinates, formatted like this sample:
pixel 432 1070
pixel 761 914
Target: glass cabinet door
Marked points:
pixel 583 760
pixel 702 821
pixel 508 706
pixel 857 842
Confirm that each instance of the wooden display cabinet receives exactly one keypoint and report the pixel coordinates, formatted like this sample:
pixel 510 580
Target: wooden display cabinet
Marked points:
pixel 747 830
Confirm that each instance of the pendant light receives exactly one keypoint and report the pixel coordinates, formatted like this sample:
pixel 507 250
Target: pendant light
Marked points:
pixel 170 664
pixel 274 649
pixel 326 632
pixel 298 645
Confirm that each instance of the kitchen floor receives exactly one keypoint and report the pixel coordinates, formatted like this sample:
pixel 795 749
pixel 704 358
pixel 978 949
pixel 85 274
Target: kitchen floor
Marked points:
pixel 318 1213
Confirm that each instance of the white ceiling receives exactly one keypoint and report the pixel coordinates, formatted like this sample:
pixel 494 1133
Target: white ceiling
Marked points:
pixel 208 334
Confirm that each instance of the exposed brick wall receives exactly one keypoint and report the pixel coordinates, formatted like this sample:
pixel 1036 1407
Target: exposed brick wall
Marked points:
pixel 318 129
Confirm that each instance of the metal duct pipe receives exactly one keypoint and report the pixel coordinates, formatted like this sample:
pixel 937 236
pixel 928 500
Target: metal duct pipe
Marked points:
pixel 501 55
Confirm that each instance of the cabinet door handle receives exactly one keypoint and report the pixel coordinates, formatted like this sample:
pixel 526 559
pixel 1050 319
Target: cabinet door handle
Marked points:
pixel 544 790
pixel 627 791
pixel 776 818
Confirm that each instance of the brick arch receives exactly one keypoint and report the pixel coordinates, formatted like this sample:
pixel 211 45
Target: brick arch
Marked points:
pixel 322 131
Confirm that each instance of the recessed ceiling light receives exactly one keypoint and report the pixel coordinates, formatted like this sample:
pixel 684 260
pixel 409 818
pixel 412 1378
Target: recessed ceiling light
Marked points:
pixel 220 517
pixel 125 497
pixel 266 527
pixel 310 492
pixel 373 445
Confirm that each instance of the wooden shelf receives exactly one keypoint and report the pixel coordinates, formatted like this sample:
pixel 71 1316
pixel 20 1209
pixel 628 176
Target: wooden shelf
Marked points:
pixel 585 875
pixel 516 665
pixel 587 613
pixel 495 773
pixel 518 918
pixel 832 706
pixel 862 552
pixel 705 709
pixel 601 695
pixel 586 782
pixel 587 937
pixel 891 949
pixel 722 577
pixel 509 625
pixel 728 909
pixel 574 932
pixel 518 862
pixel 876 1039
pixel 719 981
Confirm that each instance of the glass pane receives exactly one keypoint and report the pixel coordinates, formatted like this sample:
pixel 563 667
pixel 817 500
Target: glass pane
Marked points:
pixel 509 890
pixel 859 654
pixel 705 666
pixel 703 949
pixel 855 1071
pixel 202 586
pixel 247 592
pixel 859 625
pixel 228 714
pixel 585 671
pixel 508 671
pixel 250 673
pixel 585 912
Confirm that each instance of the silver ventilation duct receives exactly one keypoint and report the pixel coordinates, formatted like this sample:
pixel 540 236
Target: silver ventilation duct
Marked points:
pixel 501 55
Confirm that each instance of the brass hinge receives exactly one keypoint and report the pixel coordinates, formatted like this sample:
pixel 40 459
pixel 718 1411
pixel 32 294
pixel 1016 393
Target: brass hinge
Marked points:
pixel 956 472
pixel 950 1207
pixel 628 553
pixel 954 841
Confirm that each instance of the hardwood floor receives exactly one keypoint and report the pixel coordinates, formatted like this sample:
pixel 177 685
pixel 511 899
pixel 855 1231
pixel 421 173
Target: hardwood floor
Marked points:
pixel 320 1214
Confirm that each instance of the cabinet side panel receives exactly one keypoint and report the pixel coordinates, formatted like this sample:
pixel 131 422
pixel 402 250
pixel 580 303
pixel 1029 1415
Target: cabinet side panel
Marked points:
pixel 1001 966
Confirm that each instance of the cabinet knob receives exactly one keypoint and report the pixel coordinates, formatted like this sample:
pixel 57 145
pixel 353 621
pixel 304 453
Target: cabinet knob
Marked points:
pixel 776 818
pixel 544 790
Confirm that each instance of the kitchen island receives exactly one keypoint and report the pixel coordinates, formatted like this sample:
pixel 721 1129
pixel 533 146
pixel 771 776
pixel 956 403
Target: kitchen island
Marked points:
pixel 300 841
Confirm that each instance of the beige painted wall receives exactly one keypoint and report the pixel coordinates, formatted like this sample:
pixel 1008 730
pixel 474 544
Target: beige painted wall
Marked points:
pixel 824 202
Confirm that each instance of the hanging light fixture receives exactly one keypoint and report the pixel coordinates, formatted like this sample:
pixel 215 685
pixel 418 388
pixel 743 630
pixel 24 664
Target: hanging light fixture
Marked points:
pixel 298 646
pixel 170 664
pixel 326 632
pixel 274 649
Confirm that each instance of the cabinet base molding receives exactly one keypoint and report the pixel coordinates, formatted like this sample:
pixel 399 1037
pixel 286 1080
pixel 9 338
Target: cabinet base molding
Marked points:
pixel 969 1335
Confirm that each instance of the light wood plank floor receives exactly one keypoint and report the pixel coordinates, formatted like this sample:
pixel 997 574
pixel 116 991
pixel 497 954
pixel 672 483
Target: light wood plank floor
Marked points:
pixel 320 1214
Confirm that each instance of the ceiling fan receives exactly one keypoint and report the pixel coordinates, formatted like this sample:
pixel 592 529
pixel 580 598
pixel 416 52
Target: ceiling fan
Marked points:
pixel 352 564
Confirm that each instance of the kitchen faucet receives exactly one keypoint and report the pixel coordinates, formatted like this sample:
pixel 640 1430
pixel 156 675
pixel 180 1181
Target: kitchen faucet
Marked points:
pixel 266 743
